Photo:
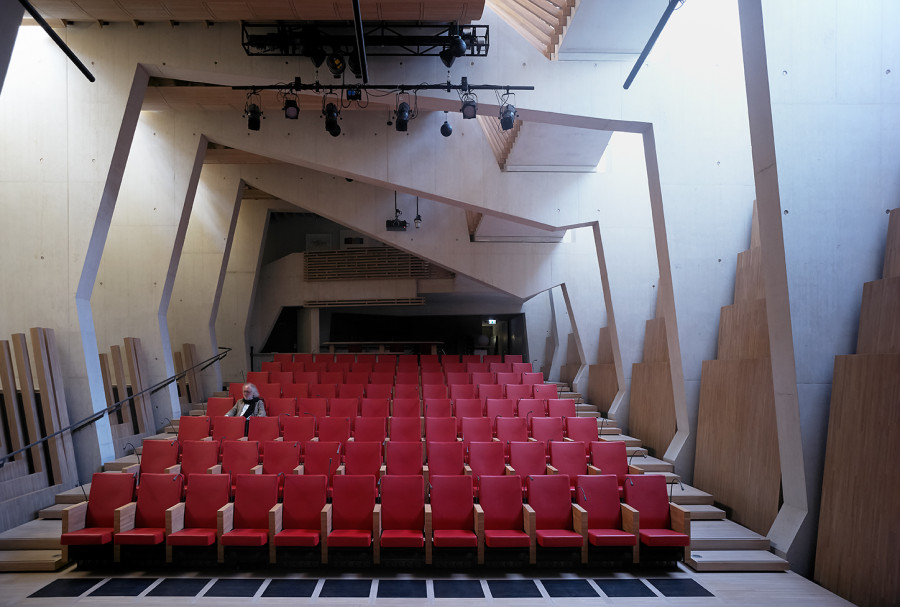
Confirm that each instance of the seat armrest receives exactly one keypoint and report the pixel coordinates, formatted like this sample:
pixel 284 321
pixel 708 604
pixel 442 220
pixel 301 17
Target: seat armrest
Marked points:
pixel 382 470
pixel 425 474
pixel 479 531
pixel 635 469
pixel 243 438
pixel 298 469
pixel 173 469
pixel 630 519
pixel 579 520
pixel 532 439
pixel 280 439
pixel 132 469
pixel 593 469
pixel 681 519
pixel 209 438
pixel 340 470
pixel 224 520
pixel 467 469
pixel 123 517
pixel 73 517
pixel 529 522
pixel 325 521
pixel 257 469
pixel 276 519
pixel 175 518
pixel 566 439
pixel 551 470
pixel 376 534
pixel 217 469
pixel 509 470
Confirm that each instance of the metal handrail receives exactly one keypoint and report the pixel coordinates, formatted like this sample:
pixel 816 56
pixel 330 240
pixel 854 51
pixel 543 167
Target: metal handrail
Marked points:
pixel 117 406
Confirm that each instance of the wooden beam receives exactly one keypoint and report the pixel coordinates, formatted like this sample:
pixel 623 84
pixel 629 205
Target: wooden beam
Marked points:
pixel 10 401
pixel 29 404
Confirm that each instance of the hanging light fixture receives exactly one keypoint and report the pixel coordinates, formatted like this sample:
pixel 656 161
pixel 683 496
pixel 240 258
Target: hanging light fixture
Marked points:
pixel 403 115
pixel 446 129
pixel 291 108
pixel 336 64
pixel 253 111
pixel 418 219
pixel 469 108
pixel 331 113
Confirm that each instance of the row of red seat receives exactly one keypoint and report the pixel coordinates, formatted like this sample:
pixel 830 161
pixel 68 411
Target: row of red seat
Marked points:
pixel 400 360
pixel 506 372
pixel 305 519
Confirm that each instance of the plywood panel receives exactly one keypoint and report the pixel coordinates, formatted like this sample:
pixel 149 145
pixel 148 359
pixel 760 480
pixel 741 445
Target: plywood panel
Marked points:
pixel 856 554
pixel 29 409
pixel 748 280
pixel 604 346
pixel 892 248
pixel 656 348
pixel 602 386
pixel 10 402
pixel 737 447
pixel 879 317
pixel 743 331
pixel 651 413
pixel 193 378
pixel 181 381
pixel 115 354
pixel 58 393
pixel 142 407
pixel 49 416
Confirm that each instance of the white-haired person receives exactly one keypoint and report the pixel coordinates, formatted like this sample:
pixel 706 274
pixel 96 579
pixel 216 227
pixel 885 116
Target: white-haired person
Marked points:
pixel 249 406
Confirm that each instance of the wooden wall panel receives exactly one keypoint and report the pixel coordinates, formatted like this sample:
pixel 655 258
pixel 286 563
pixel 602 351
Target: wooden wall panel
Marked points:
pixel 892 248
pixel 651 413
pixel 604 346
pixel 856 554
pixel 879 320
pixel 10 403
pixel 143 411
pixel 743 331
pixel 602 386
pixel 748 280
pixel 30 410
pixel 195 389
pixel 183 397
pixel 656 348
pixel 737 447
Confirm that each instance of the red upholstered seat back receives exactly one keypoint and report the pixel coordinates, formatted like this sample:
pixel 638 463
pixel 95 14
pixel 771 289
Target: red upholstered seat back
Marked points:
pixel 486 391
pixel 281 457
pixel 267 391
pixel 157 455
pixel 477 430
pixel 157 493
pixel 236 390
pixel 376 406
pixel 407 407
pixel 551 500
pixel 528 458
pixel 568 458
pixel 611 457
pixel 276 407
pixel 437 407
pixel 353 390
pixel 403 457
pixel 451 502
pixel 312 407
pixel 599 495
pixel 308 377
pixel 533 378
pixel 238 457
pixel 518 391
pixel 283 358
pixel 219 405
pixel 487 459
pixel 323 390
pixel 549 429
pixel 228 428
pixel 197 456
pixel 484 378
pixel 332 377
pixel 258 377
pixel 406 391
pixel 406 429
pixel 433 378
pixel 500 407
pixel 504 367
pixel 519 366
pixel 254 496
pixel 361 458
pixel 344 407
pixel 531 409
pixel 356 377
pixel 281 377
pixel 509 378
pixel 402 502
pixel 446 458
pixel 646 493
pixel 462 391
pixel 560 407
pixel 304 498
pixel 455 378
pixel 583 430
pixel 369 429
pixel 295 390
pixel 192 428
pixel 353 501
pixel 208 493
pixel 468 407
pixel 501 500
pixel 512 429
pixel 263 429
pixel 299 429
pixel 322 458
pixel 334 429
pixel 440 429
pixel 108 492
pixel 379 390
pixel 381 377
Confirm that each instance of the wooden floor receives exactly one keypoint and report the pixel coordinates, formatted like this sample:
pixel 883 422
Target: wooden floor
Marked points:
pixel 769 589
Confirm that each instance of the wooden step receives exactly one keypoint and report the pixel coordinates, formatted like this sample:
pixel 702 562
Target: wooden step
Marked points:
pixel 585 407
pixel 73 496
pixel 685 494
pixel 53 512
pixel 39 534
pixel 629 441
pixel 736 560
pixel 117 465
pixel 635 451
pixel 670 477
pixel 608 430
pixel 651 464
pixel 165 435
pixel 704 512
pixel 30 560
pixel 592 413
pixel 725 535
pixel 222 393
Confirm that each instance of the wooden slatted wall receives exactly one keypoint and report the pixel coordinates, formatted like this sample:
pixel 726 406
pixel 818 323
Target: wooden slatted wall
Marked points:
pixel 602 382
pixel 123 377
pixel 501 141
pixel 856 553
pixel 651 411
pixel 368 264
pixel 543 23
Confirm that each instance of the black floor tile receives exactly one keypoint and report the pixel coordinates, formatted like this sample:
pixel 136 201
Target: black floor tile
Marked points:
pixel 458 589
pixel 290 588
pixel 346 588
pixel 179 587
pixel 67 587
pixel 513 589
pixel 395 589
pixel 123 586
pixel 234 587
pixel 681 586
pixel 568 588
pixel 624 588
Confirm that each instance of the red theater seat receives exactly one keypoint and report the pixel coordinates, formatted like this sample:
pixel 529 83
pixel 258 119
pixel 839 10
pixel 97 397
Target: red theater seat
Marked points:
pixel 143 523
pixel 352 513
pixel 598 494
pixel 452 513
pixel 193 522
pixel 254 497
pixel 402 514
pixel 298 521
pixel 219 405
pixel 403 457
pixel 193 428
pixel 554 520
pixel 501 514
pixel 661 524
pixel 92 523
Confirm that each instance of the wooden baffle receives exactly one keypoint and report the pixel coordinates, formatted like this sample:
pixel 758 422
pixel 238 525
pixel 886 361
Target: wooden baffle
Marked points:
pixel 190 388
pixel 856 553
pixel 651 411
pixel 124 378
pixel 603 385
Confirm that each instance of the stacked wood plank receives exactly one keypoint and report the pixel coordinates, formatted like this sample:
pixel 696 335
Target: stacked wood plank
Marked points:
pixel 375 263
pixel 543 23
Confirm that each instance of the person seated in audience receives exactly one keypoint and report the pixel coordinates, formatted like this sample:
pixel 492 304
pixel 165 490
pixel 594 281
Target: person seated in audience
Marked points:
pixel 249 406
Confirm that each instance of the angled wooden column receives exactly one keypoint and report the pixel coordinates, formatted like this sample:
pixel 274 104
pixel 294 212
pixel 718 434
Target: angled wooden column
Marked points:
pixel 33 411
pixel 121 383
pixel 11 403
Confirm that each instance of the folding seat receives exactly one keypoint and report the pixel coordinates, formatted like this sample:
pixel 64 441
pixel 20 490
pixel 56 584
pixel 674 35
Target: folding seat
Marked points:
pixel 462 391
pixel 352 513
pixel 240 457
pixel 323 390
pixel 157 457
pixel 499 407
pixel 492 358
pixel 406 391
pixel 298 522
pixel 544 391
pixel 312 406
pixel 554 516
pixel 561 407
pixel 431 367
pixel 407 377
pixel 143 523
pixel 370 430
pixel 598 495
pixel 295 367
pixel 281 377
pixel 400 518
pixel 477 367
pixel 193 428
pixel 500 367
pixel 228 428
pixel 368 359
pixel 282 359
pixel 444 459
pixel 387 359
pixel 348 358
pixel 406 407
pixel 662 524
pixel 582 430
pixel 336 371
pixel 531 409
pixel 453 366
pixel 258 377
pixel 429 358
pixel 307 377
pixel 501 514
pixel 198 457
pixel 486 391
pixel 434 391
pixel 276 407
pixel 247 525
pixel 348 390
pixel 381 377
pixel 483 377
pixel 520 367
pixel 486 459
pixel 438 407
pixel 527 459
pixel 407 361
pixel 611 457
pixel 459 378
pixel 344 407
pixel 532 378
pixel 263 430
pixel 362 366
pixel 517 391
pixel 402 457
pixel 319 366
pixel 355 378
pixel 193 522
pixel 379 391
pixel 294 390
pixel 432 378
pixel 281 458
pixel 406 429
pixel 375 407
pixel 512 358
pixel 303 357
pixel 92 523
pixel 568 458
pixel 477 430
pixel 547 428
pixel 236 390
pixel 440 430
pixel 322 458
pixel 468 407
pixel 219 405
pixel 471 358
pixel 299 429
pixel 452 514
pixel 512 429
pixel 267 391
pixel 334 429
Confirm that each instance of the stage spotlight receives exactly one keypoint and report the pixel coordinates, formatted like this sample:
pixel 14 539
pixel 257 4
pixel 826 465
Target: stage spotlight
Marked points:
pixel 469 107
pixel 331 120
pixel 447 57
pixel 317 57
pixel 507 116
pixel 457 46
pixel 446 129
pixel 291 109
pixel 336 65
pixel 402 116
pixel 254 114
pixel 353 64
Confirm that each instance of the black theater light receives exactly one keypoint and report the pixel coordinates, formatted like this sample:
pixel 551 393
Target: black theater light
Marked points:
pixel 403 116
pixel 291 109
pixel 507 116
pixel 336 65
pixel 446 129
pixel 332 113
pixel 253 110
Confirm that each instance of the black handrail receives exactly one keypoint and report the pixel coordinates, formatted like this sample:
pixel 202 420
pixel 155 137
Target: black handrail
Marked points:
pixel 117 406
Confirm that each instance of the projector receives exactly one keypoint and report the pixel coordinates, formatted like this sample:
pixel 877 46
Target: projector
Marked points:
pixel 395 225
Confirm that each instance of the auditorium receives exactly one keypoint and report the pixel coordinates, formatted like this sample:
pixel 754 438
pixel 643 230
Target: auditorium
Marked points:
pixel 582 300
